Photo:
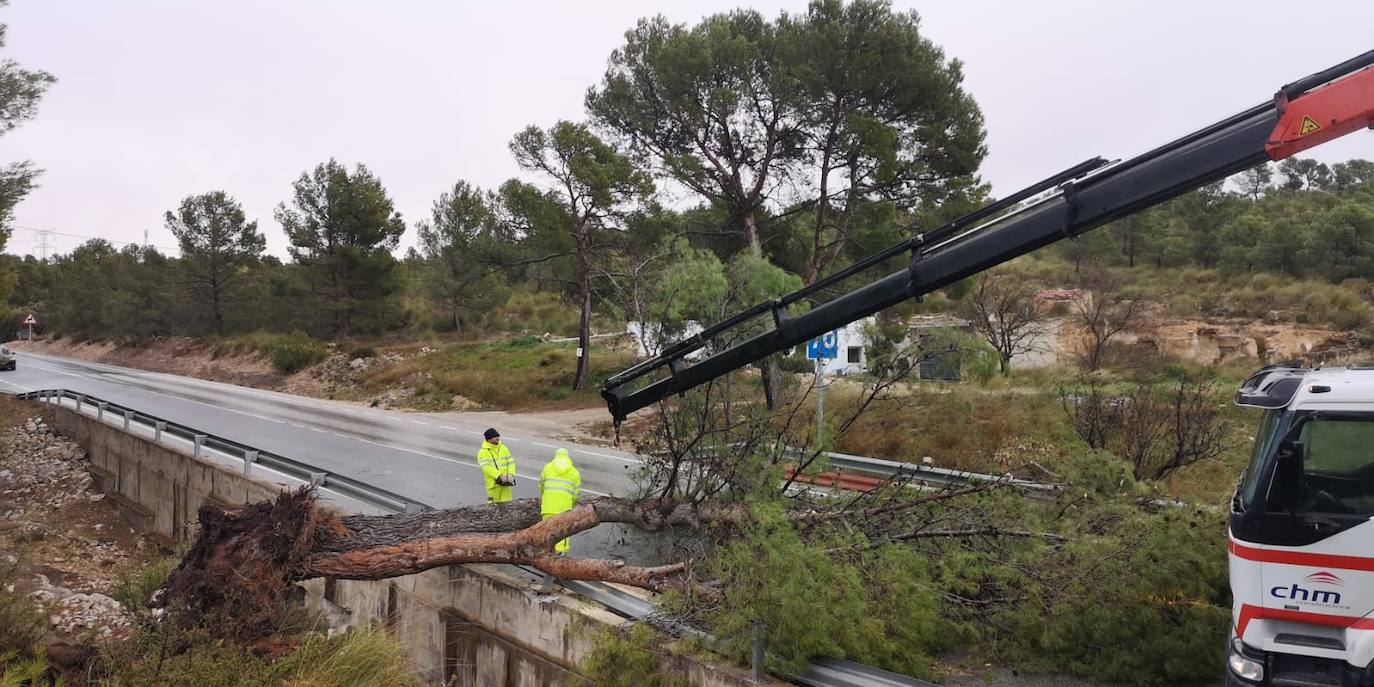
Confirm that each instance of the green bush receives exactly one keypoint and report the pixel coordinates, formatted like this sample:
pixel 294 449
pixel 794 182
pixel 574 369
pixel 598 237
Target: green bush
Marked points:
pixel 294 352
pixel 627 659
pixel 535 312
pixel 527 341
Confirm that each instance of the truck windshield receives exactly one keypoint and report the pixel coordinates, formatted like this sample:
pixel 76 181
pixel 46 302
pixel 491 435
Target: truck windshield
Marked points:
pixel 1264 439
pixel 1335 477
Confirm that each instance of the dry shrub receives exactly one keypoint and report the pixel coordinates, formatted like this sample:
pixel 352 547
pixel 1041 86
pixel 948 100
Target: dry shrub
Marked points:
pixel 961 428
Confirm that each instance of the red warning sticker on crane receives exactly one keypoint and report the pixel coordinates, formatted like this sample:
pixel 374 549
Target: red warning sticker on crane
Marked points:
pixel 1308 126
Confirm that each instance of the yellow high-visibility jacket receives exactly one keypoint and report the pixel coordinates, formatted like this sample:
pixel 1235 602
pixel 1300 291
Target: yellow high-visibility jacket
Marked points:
pixel 560 486
pixel 495 460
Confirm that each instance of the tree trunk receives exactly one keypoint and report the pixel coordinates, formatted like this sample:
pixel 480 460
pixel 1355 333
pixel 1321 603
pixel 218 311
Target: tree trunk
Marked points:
pixel 751 234
pixel 769 370
pixel 217 310
pixel 822 207
pixel 584 322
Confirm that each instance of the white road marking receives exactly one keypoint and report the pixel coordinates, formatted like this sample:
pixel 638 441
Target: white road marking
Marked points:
pixel 598 454
pixel 417 422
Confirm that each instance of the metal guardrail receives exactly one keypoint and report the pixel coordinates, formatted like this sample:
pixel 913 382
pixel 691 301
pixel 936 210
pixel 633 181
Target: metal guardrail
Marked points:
pixel 200 441
pixel 823 672
pixel 928 473
pixel 834 672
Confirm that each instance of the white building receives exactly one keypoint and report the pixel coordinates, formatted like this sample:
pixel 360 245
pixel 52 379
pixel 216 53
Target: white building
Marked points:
pixel 650 338
pixel 852 358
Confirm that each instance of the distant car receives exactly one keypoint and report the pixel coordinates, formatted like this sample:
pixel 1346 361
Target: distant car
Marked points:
pixel 7 361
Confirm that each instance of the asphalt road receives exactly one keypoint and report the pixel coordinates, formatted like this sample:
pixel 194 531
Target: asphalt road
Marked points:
pixel 430 458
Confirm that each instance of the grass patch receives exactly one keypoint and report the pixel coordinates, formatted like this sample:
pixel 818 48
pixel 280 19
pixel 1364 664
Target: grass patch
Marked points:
pixel 958 425
pixel 167 654
pixel 134 586
pixel 520 374
pixel 13 412
pixel 22 624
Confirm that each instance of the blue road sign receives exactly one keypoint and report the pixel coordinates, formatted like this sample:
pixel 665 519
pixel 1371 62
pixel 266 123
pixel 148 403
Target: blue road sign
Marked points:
pixel 827 346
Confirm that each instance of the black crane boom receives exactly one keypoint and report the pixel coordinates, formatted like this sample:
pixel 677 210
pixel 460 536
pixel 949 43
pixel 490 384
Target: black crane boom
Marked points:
pixel 1087 196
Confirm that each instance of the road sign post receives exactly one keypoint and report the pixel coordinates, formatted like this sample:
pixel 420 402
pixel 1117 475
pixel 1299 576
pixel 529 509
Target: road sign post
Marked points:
pixel 827 347
pixel 29 322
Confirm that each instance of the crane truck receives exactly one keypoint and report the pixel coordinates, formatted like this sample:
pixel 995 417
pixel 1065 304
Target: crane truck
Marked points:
pixel 1301 548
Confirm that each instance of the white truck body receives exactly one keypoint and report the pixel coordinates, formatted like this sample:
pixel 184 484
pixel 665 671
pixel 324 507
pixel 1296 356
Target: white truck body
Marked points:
pixel 1301 538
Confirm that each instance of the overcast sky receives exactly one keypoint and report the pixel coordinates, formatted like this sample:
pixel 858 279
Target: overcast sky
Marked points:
pixel 158 99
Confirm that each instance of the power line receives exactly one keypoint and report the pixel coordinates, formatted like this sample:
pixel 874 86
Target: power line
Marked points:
pixel 54 232
pixel 42 236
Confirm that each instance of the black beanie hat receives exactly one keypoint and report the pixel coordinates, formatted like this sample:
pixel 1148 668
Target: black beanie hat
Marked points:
pixel 490 433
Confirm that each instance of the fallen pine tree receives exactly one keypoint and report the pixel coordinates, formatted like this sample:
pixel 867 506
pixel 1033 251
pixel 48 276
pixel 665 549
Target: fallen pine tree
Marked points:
pixel 244 562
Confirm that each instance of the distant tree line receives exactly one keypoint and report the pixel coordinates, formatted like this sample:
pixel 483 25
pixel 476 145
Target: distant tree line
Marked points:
pixel 1300 218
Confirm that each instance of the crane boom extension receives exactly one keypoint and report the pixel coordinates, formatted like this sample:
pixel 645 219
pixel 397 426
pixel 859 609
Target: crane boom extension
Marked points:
pixel 1303 114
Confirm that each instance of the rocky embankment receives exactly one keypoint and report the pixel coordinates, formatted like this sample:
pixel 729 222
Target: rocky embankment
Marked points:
pixel 63 545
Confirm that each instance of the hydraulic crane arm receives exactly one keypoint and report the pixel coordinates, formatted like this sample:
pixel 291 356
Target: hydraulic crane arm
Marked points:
pixel 1306 113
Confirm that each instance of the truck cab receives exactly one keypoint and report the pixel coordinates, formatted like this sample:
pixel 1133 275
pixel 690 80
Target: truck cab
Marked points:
pixel 1301 549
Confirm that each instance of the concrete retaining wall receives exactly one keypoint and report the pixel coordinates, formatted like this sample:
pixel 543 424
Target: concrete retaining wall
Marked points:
pixel 159 488
pixel 466 626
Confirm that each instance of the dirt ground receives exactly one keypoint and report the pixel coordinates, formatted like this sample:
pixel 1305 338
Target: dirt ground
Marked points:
pixel 69 541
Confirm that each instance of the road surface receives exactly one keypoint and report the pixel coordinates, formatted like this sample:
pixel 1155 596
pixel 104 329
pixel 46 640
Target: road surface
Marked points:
pixel 429 458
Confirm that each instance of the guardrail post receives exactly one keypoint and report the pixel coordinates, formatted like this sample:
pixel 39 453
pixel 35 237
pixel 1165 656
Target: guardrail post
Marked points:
pixel 199 442
pixel 157 432
pixel 249 457
pixel 128 415
pixel 100 411
pixel 758 652
pixel 79 399
pixel 411 508
pixel 317 479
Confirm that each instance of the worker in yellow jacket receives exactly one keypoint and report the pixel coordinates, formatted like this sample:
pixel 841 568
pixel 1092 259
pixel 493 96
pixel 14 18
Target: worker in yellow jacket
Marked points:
pixel 498 468
pixel 560 486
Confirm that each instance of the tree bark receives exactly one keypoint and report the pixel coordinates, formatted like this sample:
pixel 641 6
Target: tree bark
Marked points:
pixel 531 546
pixel 584 326
pixel 379 547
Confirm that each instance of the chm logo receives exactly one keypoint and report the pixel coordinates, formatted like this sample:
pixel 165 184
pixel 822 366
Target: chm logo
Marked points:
pixel 1325 578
